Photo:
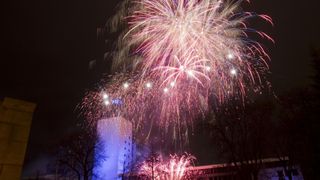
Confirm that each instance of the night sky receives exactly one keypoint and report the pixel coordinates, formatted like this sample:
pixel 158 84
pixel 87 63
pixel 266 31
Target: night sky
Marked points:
pixel 47 46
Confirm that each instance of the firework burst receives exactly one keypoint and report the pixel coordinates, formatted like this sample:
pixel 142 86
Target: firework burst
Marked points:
pixel 179 55
pixel 174 169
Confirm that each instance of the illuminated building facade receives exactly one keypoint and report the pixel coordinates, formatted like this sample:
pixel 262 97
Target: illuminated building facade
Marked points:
pixel 115 138
pixel 15 123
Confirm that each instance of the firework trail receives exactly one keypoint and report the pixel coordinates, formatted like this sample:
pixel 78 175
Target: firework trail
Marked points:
pixel 176 57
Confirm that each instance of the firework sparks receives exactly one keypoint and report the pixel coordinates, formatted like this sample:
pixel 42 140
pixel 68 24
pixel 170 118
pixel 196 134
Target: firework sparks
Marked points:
pixel 186 53
pixel 174 169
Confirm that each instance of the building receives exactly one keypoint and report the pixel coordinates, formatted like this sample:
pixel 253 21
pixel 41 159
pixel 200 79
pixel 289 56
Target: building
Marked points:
pixel 115 138
pixel 271 169
pixel 15 123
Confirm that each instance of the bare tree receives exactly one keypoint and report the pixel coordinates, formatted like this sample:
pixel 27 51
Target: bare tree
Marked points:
pixel 77 153
pixel 242 134
pixel 298 127
pixel 297 130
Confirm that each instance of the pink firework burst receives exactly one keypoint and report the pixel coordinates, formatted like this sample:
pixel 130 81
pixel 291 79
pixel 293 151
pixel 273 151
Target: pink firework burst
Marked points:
pixel 178 56
pixel 174 169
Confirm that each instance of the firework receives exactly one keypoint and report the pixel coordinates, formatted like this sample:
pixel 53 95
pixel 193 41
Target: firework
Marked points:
pixel 174 169
pixel 178 56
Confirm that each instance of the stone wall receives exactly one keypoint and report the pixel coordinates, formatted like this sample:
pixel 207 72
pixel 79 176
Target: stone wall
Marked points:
pixel 15 124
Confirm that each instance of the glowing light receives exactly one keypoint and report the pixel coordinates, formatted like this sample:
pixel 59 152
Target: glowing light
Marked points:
pixel 107 102
pixel 126 85
pixel 230 56
pixel 148 85
pixel 208 68
pixel 233 72
pixel 105 96
pixel 117 102
pixel 172 84
pixel 165 90
pixel 190 73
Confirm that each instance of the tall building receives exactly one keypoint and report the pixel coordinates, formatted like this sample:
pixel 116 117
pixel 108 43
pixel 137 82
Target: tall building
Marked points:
pixel 115 146
pixel 15 123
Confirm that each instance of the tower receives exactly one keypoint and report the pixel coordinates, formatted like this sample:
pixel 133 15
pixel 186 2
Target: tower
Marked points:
pixel 115 138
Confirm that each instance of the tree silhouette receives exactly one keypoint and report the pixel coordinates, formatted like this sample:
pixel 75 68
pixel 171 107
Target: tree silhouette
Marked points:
pixel 242 135
pixel 77 153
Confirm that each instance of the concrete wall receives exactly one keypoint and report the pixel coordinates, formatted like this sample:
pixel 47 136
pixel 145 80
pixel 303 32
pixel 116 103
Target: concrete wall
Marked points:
pixel 15 123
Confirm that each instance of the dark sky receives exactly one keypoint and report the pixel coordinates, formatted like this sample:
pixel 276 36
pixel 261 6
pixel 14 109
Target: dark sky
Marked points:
pixel 46 47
